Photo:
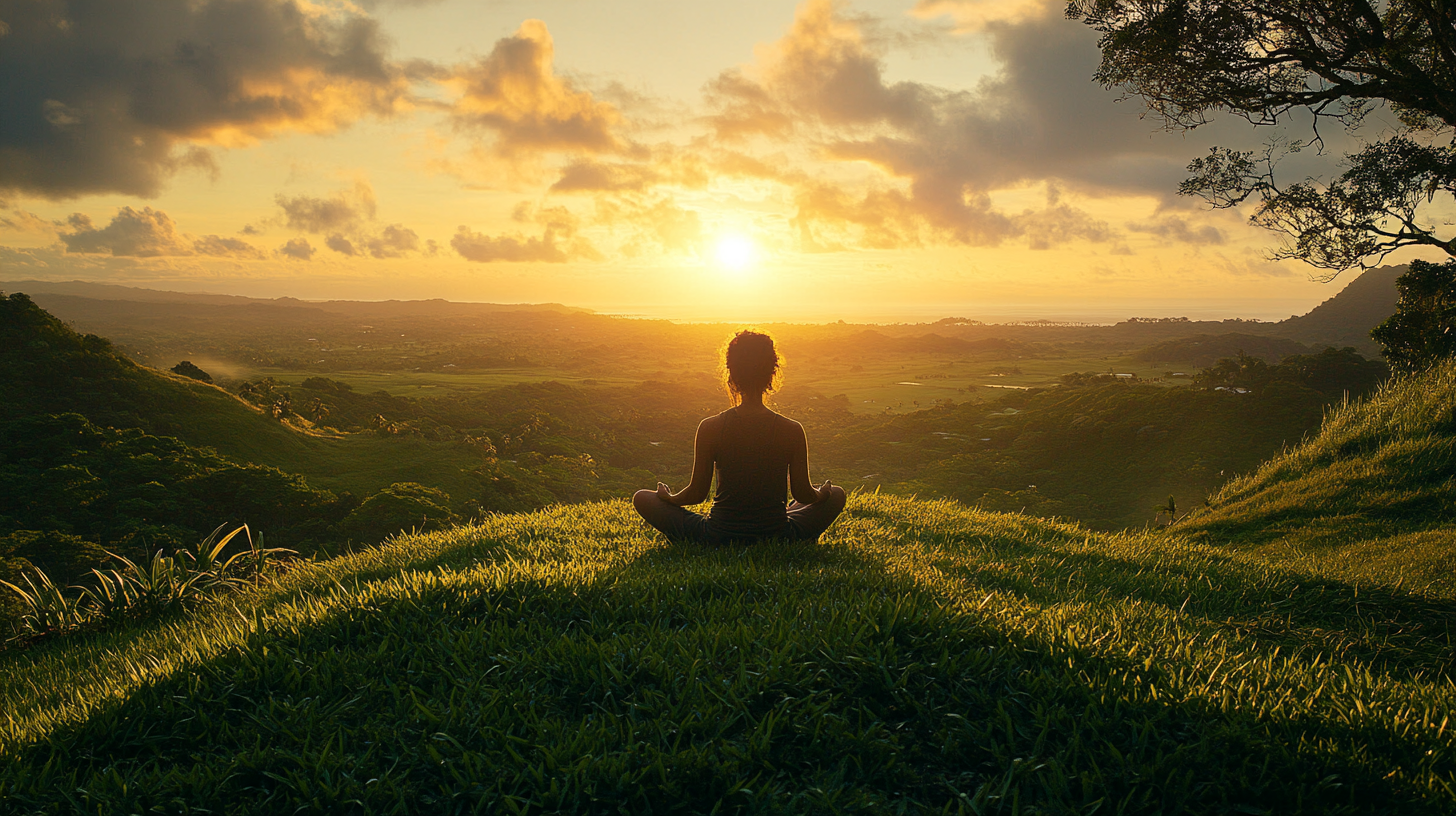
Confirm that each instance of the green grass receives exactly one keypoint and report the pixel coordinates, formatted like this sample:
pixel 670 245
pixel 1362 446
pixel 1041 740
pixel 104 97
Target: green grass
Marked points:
pixel 439 384
pixel 872 383
pixel 1371 497
pixel 924 657
pixel 361 463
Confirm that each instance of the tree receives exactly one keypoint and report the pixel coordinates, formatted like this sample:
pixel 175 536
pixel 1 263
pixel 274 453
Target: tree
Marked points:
pixel 1420 331
pixel 189 369
pixel 1265 60
pixel 1170 508
pixel 401 506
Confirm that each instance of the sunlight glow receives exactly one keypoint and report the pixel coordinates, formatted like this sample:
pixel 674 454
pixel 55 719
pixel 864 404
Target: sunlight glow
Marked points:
pixel 736 252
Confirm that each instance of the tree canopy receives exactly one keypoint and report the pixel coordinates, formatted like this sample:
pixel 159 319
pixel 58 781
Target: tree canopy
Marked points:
pixel 1337 60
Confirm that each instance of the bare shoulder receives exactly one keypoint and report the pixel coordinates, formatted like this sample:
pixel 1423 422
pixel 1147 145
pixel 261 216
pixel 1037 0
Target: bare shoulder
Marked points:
pixel 793 427
pixel 710 426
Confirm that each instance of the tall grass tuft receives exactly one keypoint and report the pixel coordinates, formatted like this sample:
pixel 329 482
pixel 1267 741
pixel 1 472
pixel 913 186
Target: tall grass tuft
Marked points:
pixel 45 608
pixel 162 585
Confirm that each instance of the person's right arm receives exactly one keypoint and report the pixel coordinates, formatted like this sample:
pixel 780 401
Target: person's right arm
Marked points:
pixel 704 452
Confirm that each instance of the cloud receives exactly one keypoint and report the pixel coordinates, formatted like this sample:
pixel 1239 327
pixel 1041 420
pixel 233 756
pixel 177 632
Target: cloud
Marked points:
pixel 298 249
pixel 1174 228
pixel 23 221
pixel 343 211
pixel 341 245
pixel 225 247
pixel 558 242
pixel 144 233
pixel 938 155
pixel 115 97
pixel 1059 224
pixel 348 219
pixel 474 246
pixel 596 177
pixel 393 242
pixel 974 15
pixel 147 233
pixel 514 94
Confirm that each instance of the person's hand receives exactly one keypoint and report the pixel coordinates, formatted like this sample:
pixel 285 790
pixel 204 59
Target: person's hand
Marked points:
pixel 823 490
pixel 664 493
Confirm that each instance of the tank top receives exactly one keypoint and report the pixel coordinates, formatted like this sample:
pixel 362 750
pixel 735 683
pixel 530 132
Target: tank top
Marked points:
pixel 753 473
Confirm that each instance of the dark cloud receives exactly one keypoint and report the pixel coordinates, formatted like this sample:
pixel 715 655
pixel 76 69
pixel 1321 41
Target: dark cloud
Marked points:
pixel 147 233
pixel 378 4
pixel 1040 119
pixel 144 233
pixel 1059 224
pixel 116 96
pixel 297 248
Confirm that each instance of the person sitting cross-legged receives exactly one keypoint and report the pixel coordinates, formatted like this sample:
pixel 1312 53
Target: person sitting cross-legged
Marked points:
pixel 756 452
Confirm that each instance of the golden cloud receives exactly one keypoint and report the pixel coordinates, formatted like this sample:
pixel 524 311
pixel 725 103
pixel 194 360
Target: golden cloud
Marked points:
pixel 515 94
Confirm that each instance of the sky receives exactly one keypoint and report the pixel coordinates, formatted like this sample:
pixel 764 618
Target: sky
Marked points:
pixel 749 161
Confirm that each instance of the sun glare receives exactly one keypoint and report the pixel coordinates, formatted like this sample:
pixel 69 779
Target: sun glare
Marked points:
pixel 736 252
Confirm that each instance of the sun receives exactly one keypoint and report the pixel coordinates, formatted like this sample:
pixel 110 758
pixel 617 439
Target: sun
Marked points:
pixel 736 253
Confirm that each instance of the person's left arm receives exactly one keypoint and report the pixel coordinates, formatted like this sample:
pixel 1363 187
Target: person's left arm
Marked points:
pixel 800 487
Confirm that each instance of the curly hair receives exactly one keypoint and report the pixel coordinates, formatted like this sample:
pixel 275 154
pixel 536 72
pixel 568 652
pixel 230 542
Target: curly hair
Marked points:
pixel 751 364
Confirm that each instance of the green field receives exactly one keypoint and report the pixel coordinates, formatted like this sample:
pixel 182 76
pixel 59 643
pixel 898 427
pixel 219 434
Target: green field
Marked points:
pixel 435 384
pixel 923 658
pixel 899 383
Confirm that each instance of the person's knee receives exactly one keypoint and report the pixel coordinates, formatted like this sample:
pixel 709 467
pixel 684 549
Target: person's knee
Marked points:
pixel 837 497
pixel 643 499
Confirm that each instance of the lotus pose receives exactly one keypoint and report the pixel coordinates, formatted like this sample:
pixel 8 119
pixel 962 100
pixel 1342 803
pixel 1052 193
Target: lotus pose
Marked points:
pixel 756 452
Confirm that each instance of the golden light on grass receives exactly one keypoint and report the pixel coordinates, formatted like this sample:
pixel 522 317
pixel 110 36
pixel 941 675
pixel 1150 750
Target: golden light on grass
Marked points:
pixel 735 252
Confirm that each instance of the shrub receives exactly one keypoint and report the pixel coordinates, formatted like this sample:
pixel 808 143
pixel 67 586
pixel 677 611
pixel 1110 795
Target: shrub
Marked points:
pixel 401 506
pixel 161 585
pixel 1420 332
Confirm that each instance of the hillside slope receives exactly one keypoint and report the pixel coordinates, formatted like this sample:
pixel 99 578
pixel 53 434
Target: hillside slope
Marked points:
pixel 1374 491
pixel 924 657
pixel 46 368
pixel 1347 318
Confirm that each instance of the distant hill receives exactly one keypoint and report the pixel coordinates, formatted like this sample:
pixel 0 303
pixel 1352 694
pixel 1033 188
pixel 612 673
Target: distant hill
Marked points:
pixel 1203 350
pixel 1347 318
pixel 41 290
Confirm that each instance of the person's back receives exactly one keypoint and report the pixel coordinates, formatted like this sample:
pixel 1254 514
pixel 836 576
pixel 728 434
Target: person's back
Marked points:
pixel 754 452
pixel 757 455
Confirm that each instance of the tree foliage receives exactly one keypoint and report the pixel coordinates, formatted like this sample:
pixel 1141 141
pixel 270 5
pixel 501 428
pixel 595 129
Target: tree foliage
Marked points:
pixel 1265 60
pixel 1420 331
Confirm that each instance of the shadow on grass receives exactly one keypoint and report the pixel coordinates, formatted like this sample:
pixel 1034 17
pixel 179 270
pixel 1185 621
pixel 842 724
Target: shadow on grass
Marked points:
pixel 788 679
pixel 1402 634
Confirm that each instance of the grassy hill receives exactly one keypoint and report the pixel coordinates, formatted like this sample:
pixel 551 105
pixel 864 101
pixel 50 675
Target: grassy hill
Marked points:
pixel 924 657
pixel 46 368
pixel 1373 494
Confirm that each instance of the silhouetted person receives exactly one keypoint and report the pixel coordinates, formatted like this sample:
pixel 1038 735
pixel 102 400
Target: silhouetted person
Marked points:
pixel 756 452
